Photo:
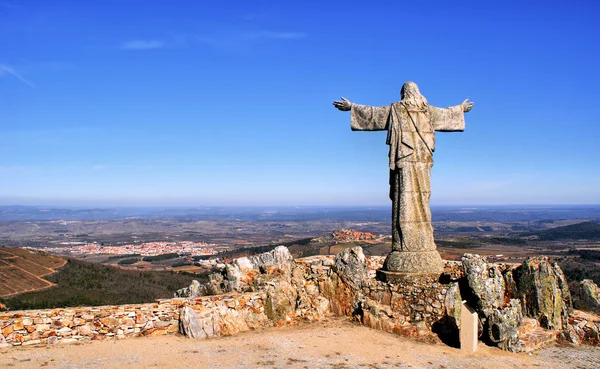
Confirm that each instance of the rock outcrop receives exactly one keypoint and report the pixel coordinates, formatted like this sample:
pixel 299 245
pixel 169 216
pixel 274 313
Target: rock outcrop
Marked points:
pixel 544 292
pixel 485 282
pixel 503 295
pixel 195 289
pixel 499 320
pixel 242 275
pixel 586 296
pixel 350 265
pixel 503 326
pixel 583 327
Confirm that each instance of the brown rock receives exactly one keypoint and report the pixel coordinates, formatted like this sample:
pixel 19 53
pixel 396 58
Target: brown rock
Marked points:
pixel 18 325
pixel 42 327
pixel 7 330
pixel 84 330
pixel 109 322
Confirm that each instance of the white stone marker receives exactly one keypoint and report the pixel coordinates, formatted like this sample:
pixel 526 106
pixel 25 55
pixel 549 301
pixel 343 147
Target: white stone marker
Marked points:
pixel 468 328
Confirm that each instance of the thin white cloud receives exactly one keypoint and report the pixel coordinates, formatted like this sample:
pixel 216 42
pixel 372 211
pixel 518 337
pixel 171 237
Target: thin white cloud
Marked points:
pixel 5 69
pixel 142 45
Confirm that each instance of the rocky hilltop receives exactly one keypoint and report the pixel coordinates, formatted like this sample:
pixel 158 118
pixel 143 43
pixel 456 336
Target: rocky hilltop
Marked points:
pixel 520 307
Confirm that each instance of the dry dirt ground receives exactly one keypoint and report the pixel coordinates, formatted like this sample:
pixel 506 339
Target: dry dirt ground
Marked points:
pixel 335 344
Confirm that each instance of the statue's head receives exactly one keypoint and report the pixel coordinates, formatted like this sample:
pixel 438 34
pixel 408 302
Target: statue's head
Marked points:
pixel 410 94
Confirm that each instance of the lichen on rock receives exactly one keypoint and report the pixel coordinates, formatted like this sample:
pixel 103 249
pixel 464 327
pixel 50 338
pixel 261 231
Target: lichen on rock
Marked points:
pixel 485 284
pixel 503 326
pixel 544 292
pixel 351 266
pixel 586 296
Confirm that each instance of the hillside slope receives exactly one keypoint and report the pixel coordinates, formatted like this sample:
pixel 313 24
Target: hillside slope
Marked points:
pixel 80 283
pixel 585 230
pixel 22 270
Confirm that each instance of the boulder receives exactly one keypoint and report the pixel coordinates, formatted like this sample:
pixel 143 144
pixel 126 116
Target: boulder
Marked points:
pixel 279 257
pixel 488 293
pixel 196 289
pixel 503 326
pixel 350 265
pixel 544 292
pixel 485 284
pixel 189 324
pixel 280 303
pixel 586 296
pixel 194 325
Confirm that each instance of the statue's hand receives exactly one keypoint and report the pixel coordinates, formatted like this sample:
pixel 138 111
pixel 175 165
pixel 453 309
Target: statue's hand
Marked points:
pixel 467 105
pixel 343 105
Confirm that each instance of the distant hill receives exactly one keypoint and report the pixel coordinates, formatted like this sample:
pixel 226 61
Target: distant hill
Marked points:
pixel 585 230
pixel 22 270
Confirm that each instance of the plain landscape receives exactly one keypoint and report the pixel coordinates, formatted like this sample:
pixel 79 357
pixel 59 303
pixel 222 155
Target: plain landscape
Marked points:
pixel 76 257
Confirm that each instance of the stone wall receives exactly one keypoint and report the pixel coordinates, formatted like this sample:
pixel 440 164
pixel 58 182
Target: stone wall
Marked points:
pixel 304 290
pixel 273 289
pixel 67 325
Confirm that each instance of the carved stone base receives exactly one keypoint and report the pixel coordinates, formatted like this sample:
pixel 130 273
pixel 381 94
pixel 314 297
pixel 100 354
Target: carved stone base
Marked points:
pixel 421 279
pixel 423 262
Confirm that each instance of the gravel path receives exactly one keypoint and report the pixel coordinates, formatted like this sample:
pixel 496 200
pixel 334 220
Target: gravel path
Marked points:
pixel 334 344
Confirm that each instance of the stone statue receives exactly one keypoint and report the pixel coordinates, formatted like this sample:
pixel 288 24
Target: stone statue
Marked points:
pixel 411 124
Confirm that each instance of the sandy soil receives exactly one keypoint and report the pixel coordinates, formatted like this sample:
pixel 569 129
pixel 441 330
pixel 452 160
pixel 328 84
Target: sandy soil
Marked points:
pixel 335 344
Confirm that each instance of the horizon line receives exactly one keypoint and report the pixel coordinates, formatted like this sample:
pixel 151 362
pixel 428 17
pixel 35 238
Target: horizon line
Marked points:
pixel 109 206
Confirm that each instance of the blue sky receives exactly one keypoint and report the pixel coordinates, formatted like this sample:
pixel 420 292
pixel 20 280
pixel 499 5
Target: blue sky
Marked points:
pixel 135 102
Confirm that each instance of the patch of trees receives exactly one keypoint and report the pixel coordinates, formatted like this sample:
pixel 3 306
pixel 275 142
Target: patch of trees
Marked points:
pixel 128 261
pixel 161 257
pixel 80 283
pixel 123 256
pixel 508 241
pixel 592 255
pixel 463 244
pixel 579 269
pixel 303 241
pixel 181 263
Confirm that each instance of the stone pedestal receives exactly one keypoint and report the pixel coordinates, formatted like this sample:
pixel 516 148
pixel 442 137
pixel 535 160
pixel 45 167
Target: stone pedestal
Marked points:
pixel 397 278
pixel 422 262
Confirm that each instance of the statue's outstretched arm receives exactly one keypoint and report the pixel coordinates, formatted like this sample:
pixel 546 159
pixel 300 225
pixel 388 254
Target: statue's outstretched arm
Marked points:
pixel 364 117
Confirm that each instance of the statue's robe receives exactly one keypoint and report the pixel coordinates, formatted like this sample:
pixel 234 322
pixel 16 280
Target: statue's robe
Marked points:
pixel 411 137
